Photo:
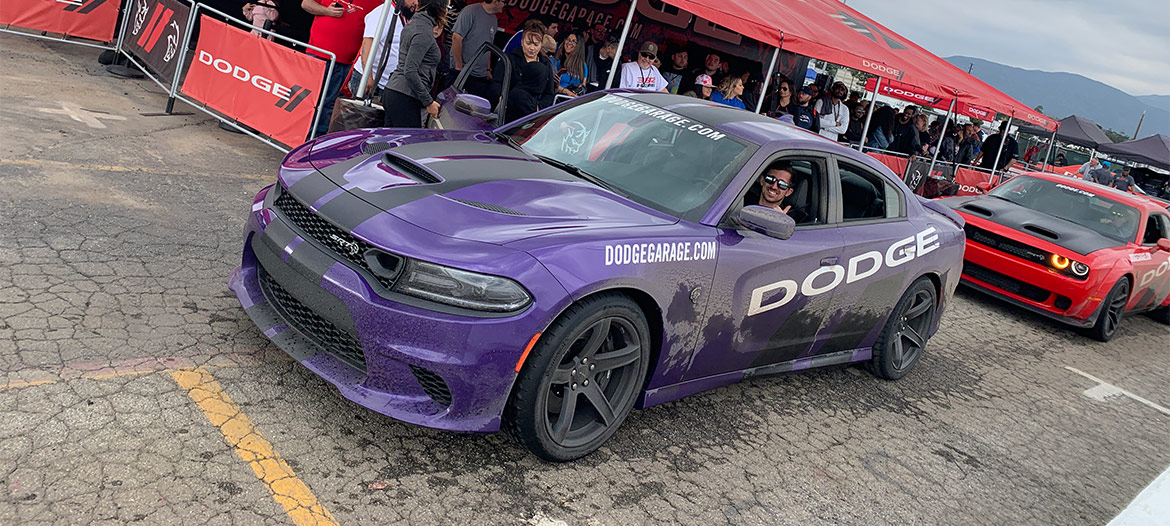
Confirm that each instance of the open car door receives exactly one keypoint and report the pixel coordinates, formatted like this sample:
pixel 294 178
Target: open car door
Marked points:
pixel 463 111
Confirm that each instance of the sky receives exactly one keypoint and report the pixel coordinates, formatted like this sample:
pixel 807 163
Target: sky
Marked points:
pixel 1123 43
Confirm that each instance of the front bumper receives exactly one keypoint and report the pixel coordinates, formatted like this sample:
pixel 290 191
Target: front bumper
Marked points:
pixel 1031 286
pixel 421 366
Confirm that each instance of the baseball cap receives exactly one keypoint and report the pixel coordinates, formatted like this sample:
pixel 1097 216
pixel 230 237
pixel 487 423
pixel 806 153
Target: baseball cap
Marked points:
pixel 649 47
pixel 704 80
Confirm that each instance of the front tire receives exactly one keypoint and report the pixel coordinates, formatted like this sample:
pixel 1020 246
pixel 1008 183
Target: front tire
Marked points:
pixel 581 379
pixel 903 339
pixel 1112 312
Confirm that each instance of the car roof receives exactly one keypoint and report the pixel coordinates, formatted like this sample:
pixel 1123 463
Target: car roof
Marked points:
pixel 760 130
pixel 1137 201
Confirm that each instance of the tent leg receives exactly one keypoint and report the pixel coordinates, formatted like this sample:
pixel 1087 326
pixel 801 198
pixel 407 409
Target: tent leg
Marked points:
pixel 378 35
pixel 768 77
pixel 617 58
pixel 1051 143
pixel 877 88
pixel 1002 139
pixel 942 135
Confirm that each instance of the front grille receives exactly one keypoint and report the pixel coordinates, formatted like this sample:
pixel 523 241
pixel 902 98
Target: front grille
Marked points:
pixel 1006 245
pixel 335 239
pixel 433 385
pixel 1007 283
pixel 339 343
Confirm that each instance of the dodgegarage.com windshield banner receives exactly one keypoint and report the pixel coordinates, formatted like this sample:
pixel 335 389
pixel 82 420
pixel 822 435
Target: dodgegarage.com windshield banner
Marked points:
pixel 267 86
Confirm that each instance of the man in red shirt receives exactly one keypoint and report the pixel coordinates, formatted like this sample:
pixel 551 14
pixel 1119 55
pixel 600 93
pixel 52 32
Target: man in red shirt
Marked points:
pixel 337 27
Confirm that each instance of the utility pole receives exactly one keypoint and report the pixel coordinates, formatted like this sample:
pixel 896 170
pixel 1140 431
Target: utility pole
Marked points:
pixel 1142 118
pixel 969 66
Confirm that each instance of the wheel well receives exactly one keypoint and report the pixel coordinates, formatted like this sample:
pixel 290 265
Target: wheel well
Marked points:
pixel 653 316
pixel 937 282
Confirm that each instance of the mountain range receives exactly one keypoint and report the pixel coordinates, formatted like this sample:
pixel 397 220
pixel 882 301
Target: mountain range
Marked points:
pixel 1063 94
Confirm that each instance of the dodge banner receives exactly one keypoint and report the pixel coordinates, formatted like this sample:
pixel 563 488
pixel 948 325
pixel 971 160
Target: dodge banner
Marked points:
pixel 255 81
pixel 157 27
pixel 903 91
pixel 91 19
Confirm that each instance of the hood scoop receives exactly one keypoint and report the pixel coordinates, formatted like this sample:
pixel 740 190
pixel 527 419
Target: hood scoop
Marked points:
pixel 977 209
pixel 1042 232
pixel 376 147
pixel 488 206
pixel 409 168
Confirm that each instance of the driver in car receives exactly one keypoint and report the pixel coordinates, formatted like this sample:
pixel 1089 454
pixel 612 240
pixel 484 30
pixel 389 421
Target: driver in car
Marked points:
pixel 776 185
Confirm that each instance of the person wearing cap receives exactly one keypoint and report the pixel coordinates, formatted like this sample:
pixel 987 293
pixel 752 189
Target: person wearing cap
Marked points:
pixel 641 73
pixel 703 88
pixel 1125 181
pixel 803 112
pixel 833 111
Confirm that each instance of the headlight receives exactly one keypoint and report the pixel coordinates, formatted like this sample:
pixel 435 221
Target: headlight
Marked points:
pixel 1080 269
pixel 460 288
pixel 1059 262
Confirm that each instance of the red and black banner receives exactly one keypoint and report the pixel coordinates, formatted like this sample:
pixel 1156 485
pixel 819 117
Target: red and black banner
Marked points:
pixel 155 32
pixel 91 19
pixel 255 81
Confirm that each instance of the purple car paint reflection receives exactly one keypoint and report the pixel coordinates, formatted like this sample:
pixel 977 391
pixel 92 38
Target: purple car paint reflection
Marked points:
pixel 354 214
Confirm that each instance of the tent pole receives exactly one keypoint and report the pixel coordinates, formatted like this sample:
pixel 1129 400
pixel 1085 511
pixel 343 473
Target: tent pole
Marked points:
pixel 387 6
pixel 617 57
pixel 1051 143
pixel 768 77
pixel 1003 137
pixel 942 135
pixel 877 88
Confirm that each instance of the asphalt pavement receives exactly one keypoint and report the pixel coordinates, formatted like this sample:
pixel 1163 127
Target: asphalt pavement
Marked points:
pixel 133 388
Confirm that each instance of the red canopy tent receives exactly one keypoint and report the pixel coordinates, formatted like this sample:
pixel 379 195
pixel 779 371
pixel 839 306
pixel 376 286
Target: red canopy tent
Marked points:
pixel 832 31
pixel 903 91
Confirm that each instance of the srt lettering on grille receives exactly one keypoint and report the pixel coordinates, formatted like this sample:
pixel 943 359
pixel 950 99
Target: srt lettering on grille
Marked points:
pixel 348 245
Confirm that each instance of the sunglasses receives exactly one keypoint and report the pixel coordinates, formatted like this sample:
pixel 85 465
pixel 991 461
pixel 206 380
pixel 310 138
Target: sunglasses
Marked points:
pixel 771 179
pixel 783 88
pixel 650 56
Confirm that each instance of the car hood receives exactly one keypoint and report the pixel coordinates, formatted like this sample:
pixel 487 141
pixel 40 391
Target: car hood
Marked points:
pixel 1032 223
pixel 466 185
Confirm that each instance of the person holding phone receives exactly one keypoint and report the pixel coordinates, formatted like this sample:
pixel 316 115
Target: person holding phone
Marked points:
pixel 408 91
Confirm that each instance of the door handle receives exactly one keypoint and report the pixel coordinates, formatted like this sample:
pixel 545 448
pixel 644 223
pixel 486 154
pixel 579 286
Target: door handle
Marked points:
pixel 831 260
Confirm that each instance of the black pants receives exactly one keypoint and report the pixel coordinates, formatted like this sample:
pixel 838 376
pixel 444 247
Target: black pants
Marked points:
pixel 481 86
pixel 402 110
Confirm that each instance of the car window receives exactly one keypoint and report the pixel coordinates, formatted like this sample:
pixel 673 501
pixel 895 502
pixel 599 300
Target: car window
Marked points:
pixel 656 157
pixel 1157 227
pixel 866 195
pixel 805 203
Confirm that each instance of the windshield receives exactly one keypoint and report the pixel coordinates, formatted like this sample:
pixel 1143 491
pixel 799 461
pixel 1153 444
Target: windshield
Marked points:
pixel 1088 209
pixel 661 159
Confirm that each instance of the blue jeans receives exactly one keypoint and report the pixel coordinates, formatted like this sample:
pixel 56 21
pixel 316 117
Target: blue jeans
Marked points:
pixel 332 90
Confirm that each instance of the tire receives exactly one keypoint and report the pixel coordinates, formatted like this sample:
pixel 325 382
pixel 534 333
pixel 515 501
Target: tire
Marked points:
pixel 1113 311
pixel 901 343
pixel 598 352
pixel 1161 314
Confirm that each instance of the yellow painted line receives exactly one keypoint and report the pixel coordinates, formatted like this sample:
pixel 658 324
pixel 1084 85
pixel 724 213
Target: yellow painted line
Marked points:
pixel 288 490
pixel 62 165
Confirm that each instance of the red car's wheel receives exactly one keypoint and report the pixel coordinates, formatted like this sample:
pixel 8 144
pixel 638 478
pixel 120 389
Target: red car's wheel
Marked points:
pixel 1114 311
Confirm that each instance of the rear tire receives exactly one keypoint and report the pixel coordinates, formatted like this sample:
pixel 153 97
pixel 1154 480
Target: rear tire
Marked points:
pixel 1112 312
pixel 903 340
pixel 581 379
pixel 1161 314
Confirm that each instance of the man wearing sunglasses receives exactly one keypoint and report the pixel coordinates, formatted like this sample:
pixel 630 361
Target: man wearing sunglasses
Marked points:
pixel 641 74
pixel 776 185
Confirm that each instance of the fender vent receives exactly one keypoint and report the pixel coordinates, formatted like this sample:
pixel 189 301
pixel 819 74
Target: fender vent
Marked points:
pixel 1042 231
pixel 488 206
pixel 410 168
pixel 376 147
pixel 978 210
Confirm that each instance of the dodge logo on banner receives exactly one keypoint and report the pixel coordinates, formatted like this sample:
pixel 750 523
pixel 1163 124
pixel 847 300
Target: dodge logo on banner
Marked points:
pixel 255 81
pixel 92 19
pixel 156 29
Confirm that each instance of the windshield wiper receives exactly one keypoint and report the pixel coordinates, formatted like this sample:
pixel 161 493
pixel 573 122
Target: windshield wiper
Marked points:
pixel 579 172
pixel 504 138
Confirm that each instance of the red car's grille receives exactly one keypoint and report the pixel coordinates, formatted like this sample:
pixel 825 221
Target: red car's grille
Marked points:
pixel 1006 283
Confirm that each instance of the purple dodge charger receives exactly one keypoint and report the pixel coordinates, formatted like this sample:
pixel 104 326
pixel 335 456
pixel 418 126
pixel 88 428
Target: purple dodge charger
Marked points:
pixel 603 254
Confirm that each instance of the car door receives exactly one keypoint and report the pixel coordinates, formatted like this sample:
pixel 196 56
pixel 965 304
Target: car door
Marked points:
pixel 770 297
pixel 878 243
pixel 460 110
pixel 1151 267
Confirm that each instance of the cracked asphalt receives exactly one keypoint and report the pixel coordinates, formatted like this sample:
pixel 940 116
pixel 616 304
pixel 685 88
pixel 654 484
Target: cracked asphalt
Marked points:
pixel 133 388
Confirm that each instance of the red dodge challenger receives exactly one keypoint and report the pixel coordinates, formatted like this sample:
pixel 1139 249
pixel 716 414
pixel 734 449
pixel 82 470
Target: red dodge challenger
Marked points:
pixel 1072 250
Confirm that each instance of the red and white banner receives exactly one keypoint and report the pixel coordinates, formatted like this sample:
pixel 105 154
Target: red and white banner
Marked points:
pixel 967 178
pixel 255 81
pixel 91 19
pixel 903 91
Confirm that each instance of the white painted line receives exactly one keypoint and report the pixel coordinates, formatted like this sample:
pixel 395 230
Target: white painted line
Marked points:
pixel 1107 390
pixel 1150 508
pixel 84 116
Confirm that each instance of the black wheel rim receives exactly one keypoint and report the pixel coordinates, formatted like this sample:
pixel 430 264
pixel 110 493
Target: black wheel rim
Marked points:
pixel 909 340
pixel 1116 308
pixel 594 382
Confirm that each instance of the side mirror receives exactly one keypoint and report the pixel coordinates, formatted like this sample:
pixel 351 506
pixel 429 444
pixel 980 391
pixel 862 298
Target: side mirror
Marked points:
pixel 767 221
pixel 473 105
pixel 1163 244
pixel 983 187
